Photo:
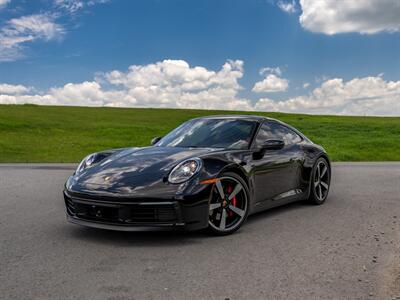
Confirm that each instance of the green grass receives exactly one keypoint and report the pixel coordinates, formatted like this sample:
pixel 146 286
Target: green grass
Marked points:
pixel 30 133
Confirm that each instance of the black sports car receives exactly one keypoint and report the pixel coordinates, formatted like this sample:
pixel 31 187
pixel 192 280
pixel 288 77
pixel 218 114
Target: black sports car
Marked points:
pixel 209 172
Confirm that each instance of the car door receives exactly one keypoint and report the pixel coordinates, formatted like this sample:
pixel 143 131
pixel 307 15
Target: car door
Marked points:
pixel 277 172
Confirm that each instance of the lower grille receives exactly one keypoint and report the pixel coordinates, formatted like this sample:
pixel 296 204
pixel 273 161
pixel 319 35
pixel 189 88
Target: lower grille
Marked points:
pixel 123 213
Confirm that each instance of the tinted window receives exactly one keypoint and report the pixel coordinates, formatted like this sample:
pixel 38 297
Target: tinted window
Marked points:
pixel 275 131
pixel 211 133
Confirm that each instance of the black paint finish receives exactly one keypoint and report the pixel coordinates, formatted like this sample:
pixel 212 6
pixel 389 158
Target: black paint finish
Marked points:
pixel 129 189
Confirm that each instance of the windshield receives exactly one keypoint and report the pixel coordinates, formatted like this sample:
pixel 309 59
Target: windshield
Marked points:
pixel 211 133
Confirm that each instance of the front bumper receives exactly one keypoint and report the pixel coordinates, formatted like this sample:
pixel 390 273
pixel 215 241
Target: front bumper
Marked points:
pixel 190 213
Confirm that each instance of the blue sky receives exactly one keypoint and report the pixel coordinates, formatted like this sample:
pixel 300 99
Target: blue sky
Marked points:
pixel 75 41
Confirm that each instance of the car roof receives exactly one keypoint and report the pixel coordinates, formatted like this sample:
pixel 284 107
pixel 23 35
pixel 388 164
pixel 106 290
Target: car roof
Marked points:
pixel 237 117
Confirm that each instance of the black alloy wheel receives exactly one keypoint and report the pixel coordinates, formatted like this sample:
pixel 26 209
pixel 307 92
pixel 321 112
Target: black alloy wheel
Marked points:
pixel 229 204
pixel 320 182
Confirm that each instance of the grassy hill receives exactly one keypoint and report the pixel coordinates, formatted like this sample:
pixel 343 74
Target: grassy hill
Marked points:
pixel 30 133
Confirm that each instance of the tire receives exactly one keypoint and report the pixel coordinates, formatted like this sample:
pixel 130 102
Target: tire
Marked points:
pixel 320 182
pixel 233 208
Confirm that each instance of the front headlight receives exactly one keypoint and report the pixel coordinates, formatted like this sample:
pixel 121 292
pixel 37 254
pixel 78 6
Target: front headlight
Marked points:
pixel 185 170
pixel 87 162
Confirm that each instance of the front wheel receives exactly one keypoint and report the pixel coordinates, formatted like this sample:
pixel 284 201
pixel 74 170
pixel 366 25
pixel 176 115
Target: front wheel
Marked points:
pixel 229 204
pixel 320 182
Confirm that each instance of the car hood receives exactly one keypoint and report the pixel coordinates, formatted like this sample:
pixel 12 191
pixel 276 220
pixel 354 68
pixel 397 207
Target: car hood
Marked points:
pixel 130 166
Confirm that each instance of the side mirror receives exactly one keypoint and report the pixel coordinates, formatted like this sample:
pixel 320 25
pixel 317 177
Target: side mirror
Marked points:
pixel 155 140
pixel 268 145
pixel 272 145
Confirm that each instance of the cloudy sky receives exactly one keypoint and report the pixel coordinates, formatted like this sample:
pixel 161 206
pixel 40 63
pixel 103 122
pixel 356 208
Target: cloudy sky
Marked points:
pixel 306 56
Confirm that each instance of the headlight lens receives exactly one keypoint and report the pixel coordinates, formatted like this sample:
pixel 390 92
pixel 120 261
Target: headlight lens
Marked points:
pixel 185 170
pixel 87 162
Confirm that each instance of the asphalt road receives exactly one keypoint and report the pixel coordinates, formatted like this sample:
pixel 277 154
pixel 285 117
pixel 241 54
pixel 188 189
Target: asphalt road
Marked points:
pixel 345 249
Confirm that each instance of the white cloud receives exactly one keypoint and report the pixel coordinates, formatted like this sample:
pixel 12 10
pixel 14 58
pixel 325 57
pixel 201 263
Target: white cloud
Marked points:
pixel 19 31
pixel 73 6
pixel 276 71
pixel 169 83
pixel 363 16
pixel 31 99
pixel 288 7
pixel 359 96
pixel 270 84
pixel 306 85
pixel 69 5
pixel 4 3
pixel 175 84
pixel 16 33
pixel 34 26
pixel 89 94
pixel 11 89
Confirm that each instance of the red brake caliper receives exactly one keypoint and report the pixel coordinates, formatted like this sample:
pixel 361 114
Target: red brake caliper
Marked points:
pixel 233 200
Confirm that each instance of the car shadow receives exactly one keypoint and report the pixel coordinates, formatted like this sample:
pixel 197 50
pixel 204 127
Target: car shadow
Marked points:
pixel 278 210
pixel 137 238
pixel 168 238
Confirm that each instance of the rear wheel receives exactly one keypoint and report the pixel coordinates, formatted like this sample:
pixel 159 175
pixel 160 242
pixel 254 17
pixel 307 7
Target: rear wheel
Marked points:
pixel 229 204
pixel 320 182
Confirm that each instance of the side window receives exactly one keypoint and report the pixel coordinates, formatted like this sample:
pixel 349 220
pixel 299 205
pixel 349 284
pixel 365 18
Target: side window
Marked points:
pixel 265 133
pixel 275 131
